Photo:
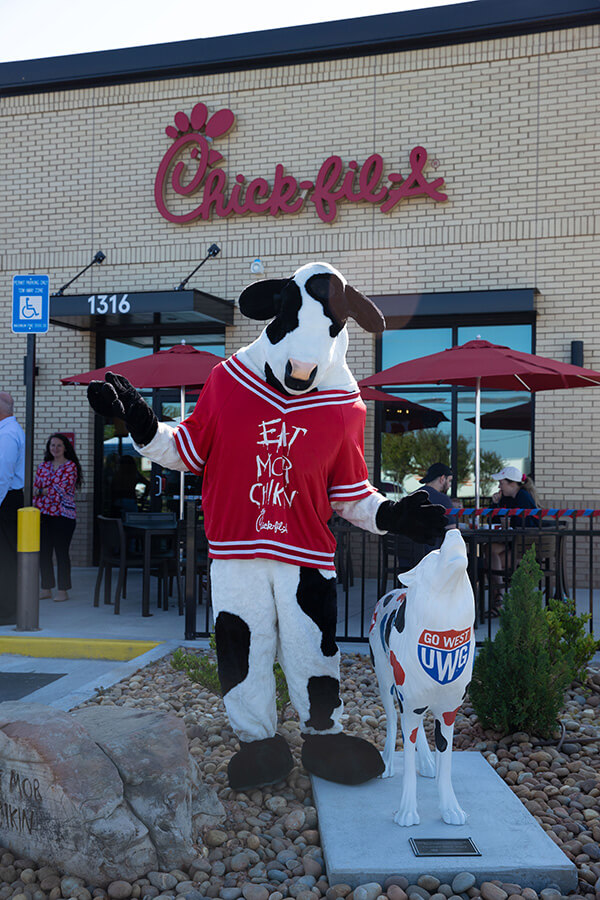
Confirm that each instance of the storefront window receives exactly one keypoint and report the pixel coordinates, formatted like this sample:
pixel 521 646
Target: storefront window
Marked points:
pixel 412 439
pixel 505 440
pixel 412 436
pixel 411 343
pixel 131 482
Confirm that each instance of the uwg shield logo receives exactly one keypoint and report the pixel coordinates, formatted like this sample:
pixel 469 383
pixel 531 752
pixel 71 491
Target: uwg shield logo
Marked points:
pixel 444 654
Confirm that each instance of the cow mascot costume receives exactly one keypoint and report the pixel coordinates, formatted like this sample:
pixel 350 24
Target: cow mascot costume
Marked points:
pixel 278 435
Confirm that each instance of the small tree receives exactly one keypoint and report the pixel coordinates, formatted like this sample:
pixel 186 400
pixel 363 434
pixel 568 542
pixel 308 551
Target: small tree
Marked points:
pixel 568 636
pixel 518 685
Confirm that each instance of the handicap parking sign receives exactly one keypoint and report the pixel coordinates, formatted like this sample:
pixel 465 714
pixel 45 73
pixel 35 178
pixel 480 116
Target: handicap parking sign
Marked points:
pixel 31 306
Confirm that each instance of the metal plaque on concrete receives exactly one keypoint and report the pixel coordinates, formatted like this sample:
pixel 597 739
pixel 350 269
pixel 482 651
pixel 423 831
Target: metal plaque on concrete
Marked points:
pixel 443 847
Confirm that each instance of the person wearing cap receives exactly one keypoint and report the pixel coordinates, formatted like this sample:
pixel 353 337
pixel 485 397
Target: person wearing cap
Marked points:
pixel 517 491
pixel 437 481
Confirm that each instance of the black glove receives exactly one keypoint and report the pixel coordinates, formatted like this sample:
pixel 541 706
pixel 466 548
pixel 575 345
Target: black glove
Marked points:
pixel 414 517
pixel 117 397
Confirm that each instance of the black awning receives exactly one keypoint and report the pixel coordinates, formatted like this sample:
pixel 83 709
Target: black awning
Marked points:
pixel 93 312
pixel 400 308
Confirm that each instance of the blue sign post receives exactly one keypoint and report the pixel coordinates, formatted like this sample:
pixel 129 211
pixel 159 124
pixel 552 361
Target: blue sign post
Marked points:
pixel 31 305
pixel 31 316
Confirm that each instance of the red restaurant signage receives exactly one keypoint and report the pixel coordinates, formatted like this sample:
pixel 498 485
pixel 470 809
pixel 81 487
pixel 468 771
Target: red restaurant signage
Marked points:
pixel 332 184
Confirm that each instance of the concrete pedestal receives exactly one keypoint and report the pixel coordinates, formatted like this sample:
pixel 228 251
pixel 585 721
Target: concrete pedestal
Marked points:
pixel 362 843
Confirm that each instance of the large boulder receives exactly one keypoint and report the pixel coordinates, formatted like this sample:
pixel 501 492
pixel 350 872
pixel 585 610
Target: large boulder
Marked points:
pixel 105 793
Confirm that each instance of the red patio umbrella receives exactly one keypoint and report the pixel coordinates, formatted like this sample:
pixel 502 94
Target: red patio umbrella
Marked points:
pixel 181 366
pixel 512 418
pixel 481 364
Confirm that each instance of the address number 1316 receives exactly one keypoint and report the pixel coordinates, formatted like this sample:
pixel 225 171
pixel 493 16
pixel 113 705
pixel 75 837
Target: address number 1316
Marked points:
pixel 100 304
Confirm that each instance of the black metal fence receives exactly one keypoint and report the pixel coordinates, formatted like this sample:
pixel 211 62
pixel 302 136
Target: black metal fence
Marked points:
pixel 566 544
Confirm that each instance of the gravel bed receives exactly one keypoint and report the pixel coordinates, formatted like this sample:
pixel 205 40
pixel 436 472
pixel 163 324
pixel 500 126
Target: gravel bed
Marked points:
pixel 269 846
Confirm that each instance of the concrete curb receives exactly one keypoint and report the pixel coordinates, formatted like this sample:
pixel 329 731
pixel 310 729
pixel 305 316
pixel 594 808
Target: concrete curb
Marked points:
pixel 118 673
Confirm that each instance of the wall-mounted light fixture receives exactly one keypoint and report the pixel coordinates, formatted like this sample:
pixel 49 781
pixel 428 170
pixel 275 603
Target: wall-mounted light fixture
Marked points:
pixel 213 250
pixel 257 267
pixel 99 257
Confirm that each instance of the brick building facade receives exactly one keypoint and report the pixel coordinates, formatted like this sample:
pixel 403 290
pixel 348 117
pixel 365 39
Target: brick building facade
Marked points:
pixel 509 119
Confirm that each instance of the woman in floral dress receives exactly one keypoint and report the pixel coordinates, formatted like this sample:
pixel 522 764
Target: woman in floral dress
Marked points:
pixel 54 491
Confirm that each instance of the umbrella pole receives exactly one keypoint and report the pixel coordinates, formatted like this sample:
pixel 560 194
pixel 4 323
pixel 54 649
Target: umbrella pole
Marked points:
pixel 181 474
pixel 477 440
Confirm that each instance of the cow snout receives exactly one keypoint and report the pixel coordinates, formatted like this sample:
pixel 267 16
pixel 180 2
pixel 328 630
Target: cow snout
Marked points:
pixel 299 375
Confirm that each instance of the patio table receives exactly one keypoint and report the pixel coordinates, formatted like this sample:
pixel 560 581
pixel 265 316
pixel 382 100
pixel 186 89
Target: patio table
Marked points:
pixel 150 530
pixel 475 538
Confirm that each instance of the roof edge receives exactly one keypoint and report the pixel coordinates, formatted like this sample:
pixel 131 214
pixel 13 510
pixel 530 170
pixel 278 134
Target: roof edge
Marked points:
pixel 367 35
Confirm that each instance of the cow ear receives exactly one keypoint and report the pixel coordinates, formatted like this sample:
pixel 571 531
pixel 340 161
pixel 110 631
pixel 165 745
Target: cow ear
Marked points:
pixel 262 300
pixel 363 311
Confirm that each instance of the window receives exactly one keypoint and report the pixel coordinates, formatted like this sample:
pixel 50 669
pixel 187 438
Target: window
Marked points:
pixel 127 481
pixel 442 427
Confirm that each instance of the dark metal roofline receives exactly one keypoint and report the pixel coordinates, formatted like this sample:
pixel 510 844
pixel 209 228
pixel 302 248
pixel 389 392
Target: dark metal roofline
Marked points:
pixel 457 23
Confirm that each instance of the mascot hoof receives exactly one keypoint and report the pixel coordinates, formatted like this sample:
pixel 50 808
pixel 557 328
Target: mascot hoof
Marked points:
pixel 341 758
pixel 259 762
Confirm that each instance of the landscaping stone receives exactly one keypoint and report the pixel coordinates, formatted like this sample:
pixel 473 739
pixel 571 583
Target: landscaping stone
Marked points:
pixel 462 882
pixel 161 782
pixel 285 833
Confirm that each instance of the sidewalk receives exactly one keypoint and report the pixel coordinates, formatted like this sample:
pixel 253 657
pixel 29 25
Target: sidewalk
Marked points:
pixel 79 648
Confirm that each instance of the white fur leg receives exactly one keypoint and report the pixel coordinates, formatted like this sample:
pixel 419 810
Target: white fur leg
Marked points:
pixel 408 814
pixel 425 758
pixel 387 690
pixel 450 808
pixel 300 651
pixel 250 704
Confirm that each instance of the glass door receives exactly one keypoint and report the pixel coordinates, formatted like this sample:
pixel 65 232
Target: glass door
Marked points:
pixel 125 480
pixel 166 490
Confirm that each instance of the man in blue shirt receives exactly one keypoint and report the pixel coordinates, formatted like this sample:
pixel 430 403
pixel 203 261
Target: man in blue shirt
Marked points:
pixel 12 469
pixel 437 482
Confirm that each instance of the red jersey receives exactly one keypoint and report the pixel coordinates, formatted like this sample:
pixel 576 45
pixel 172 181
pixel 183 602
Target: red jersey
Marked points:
pixel 272 465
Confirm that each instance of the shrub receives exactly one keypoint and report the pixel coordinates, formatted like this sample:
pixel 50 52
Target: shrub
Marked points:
pixel 201 669
pixel 518 683
pixel 568 637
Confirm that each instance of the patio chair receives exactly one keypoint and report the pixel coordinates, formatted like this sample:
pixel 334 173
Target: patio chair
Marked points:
pixel 114 553
pixel 549 553
pixel 169 552
pixel 398 554
pixel 202 571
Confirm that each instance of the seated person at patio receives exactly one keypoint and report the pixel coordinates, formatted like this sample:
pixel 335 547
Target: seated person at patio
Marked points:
pixel 517 491
pixel 436 483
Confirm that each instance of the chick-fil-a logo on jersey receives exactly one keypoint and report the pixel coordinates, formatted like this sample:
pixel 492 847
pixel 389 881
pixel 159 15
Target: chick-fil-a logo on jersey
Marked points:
pixel 197 176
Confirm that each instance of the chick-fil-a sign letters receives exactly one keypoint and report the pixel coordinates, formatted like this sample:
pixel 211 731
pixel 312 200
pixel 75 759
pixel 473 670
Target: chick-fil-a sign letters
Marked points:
pixel 198 178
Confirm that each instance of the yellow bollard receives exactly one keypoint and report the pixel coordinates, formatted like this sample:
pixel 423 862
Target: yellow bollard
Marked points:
pixel 28 569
